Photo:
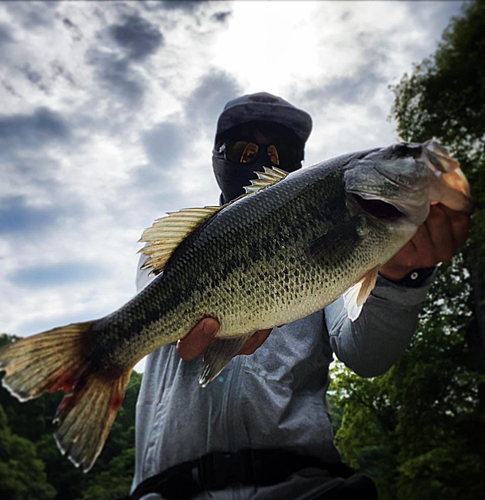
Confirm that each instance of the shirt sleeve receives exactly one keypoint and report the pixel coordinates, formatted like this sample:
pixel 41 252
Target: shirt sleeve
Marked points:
pixel 143 276
pixel 374 342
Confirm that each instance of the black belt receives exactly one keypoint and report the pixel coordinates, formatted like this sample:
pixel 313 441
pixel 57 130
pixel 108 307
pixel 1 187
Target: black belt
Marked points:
pixel 217 470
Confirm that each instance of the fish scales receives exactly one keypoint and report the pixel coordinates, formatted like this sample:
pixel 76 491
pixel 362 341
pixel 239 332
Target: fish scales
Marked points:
pixel 291 247
pixel 248 267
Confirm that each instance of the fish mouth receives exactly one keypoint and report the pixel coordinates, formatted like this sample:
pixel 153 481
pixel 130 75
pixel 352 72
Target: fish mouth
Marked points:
pixel 378 208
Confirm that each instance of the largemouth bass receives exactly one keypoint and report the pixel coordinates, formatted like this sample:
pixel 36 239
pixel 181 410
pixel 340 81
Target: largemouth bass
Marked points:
pixel 289 247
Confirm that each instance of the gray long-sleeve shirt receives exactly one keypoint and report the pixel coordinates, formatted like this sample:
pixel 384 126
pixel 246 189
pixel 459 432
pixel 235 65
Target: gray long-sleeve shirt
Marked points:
pixel 275 397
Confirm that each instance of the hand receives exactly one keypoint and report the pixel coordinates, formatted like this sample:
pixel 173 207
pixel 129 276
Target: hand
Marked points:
pixel 437 240
pixel 203 333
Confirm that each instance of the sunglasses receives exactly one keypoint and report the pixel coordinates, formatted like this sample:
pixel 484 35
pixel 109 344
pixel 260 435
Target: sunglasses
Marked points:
pixel 247 152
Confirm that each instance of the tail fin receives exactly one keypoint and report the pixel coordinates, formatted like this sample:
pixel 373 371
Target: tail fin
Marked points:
pixel 85 417
pixel 47 362
pixel 53 361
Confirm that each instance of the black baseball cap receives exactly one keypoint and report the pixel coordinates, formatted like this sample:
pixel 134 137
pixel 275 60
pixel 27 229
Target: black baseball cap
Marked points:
pixel 263 106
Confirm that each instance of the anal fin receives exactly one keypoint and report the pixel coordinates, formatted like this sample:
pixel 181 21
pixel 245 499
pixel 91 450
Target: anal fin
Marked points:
pixel 218 355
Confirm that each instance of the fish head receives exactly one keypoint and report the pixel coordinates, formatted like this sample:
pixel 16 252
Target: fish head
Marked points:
pixel 391 185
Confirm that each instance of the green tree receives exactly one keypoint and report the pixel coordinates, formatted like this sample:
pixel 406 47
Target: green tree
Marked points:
pixel 22 473
pixel 115 482
pixel 444 98
pixel 31 465
pixel 419 429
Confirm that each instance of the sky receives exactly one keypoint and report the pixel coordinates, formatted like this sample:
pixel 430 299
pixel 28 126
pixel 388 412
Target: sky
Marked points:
pixel 108 114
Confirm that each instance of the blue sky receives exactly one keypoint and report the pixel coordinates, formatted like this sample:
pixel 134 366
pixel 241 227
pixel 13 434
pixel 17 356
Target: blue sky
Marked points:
pixel 109 110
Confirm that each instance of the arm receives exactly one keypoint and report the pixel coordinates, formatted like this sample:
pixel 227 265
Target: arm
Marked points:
pixel 381 334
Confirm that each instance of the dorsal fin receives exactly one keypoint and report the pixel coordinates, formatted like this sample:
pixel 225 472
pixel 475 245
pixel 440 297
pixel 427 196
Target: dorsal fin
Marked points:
pixel 167 233
pixel 270 176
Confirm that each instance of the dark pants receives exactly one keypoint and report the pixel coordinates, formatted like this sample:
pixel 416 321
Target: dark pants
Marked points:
pixel 316 484
pixel 257 475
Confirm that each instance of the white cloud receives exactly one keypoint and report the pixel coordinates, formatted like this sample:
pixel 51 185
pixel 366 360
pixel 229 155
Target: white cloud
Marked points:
pixel 114 105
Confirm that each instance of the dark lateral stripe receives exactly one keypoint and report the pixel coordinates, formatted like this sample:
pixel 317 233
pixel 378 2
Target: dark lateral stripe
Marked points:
pixel 242 242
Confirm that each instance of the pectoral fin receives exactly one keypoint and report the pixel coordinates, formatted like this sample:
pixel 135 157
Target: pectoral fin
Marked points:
pixel 356 296
pixel 218 355
pixel 338 241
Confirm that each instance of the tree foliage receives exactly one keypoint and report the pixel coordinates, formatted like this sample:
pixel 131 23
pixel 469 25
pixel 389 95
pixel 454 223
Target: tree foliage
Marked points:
pixel 419 429
pixel 31 465
pixel 22 473
pixel 444 97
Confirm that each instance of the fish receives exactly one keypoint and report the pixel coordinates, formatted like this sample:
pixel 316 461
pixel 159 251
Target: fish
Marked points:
pixel 289 246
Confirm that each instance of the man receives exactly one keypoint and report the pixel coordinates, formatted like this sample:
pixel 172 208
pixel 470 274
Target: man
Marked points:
pixel 261 430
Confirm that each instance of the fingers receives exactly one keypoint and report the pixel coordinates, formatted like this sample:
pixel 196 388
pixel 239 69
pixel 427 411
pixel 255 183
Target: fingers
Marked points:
pixel 434 241
pixel 440 247
pixel 255 342
pixel 448 231
pixel 460 225
pixel 437 240
pixel 400 265
pixel 198 339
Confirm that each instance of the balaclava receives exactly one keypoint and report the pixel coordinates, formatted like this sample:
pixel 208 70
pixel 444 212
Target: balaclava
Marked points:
pixel 232 177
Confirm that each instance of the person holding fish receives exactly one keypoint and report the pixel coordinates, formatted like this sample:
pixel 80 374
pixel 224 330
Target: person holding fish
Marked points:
pixel 294 266
pixel 261 429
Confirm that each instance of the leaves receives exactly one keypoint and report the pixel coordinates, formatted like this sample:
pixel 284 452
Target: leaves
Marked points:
pixel 22 474
pixel 31 465
pixel 415 427
pixel 419 430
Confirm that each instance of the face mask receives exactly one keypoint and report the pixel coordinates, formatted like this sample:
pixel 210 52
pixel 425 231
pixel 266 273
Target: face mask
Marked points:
pixel 232 177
